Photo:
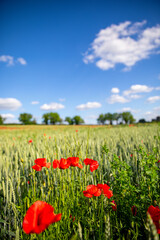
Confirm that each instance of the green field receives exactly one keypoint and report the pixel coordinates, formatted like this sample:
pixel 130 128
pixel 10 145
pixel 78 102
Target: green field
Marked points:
pixel 127 158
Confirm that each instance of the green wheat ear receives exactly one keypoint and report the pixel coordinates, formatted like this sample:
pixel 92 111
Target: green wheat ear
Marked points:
pixel 153 235
pixel 107 226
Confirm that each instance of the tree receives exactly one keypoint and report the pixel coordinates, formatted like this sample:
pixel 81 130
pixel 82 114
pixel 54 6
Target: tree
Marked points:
pixel 46 118
pixel 69 120
pixel 116 117
pixel 77 120
pixel 101 119
pixel 2 120
pixel 128 117
pixel 109 117
pixel 26 118
pixel 142 120
pixel 54 118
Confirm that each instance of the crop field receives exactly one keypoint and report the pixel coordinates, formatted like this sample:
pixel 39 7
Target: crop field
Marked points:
pixel 108 198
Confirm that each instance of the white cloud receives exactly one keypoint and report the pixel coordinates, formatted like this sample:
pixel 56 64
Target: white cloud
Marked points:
pixel 138 89
pixel 128 109
pixel 115 90
pixel 126 43
pixel 22 61
pixel 153 99
pixel 115 98
pixel 7 115
pixel 9 103
pixel 62 99
pixel 34 102
pixel 52 106
pixel 152 114
pixel 7 59
pixel 157 88
pixel 88 105
pixel 10 60
pixel 135 96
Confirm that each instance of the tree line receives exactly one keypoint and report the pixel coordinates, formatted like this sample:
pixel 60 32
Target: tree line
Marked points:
pixel 126 117
pixel 54 118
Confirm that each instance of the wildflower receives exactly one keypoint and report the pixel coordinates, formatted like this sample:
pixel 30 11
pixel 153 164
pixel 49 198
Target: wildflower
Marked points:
pixel 30 141
pixel 41 162
pixel 76 130
pixel 105 190
pixel 74 162
pixel 91 191
pixel 49 137
pixel 93 164
pixel 114 205
pixel 44 134
pixel 28 182
pixel 37 167
pixel 131 155
pixel 62 164
pixel 155 215
pixel 134 210
pixel 38 217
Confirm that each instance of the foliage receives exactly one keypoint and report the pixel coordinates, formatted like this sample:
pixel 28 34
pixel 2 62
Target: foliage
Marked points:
pixel 69 120
pixel 26 118
pixel 1 120
pixel 77 120
pixel 51 118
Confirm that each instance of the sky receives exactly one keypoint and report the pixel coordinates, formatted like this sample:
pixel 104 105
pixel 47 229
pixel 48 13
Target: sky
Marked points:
pixel 79 58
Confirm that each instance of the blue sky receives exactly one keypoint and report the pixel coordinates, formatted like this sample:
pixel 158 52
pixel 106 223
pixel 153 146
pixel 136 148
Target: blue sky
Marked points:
pixel 79 58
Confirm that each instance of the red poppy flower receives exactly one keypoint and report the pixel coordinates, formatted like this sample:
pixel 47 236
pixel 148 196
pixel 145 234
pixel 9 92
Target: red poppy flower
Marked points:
pixel 93 164
pixel 62 164
pixel 30 141
pixel 41 162
pixel 56 163
pixel 105 190
pixel 114 205
pixel 38 217
pixel 92 190
pixel 28 182
pixel 49 137
pixel 131 155
pixel 134 210
pixel 37 167
pixel 74 162
pixel 155 215
pixel 76 130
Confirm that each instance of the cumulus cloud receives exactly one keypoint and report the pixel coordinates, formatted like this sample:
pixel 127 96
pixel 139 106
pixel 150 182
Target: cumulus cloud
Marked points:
pixel 34 102
pixel 11 61
pixel 115 98
pixel 7 115
pixel 125 43
pixel 22 61
pixel 152 114
pixel 115 90
pixel 153 99
pixel 52 106
pixel 7 59
pixel 88 105
pixel 128 109
pixel 137 89
pixel 9 104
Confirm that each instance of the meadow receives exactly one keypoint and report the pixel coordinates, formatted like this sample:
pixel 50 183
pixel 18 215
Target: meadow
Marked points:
pixel 128 163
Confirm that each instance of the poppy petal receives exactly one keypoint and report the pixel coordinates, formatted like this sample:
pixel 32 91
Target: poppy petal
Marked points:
pixel 37 167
